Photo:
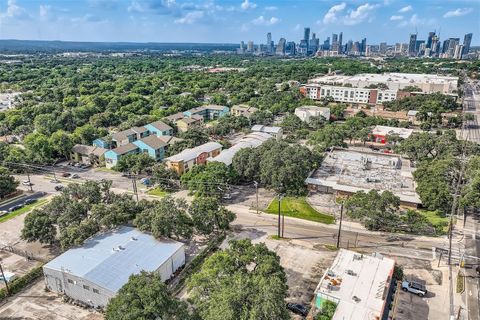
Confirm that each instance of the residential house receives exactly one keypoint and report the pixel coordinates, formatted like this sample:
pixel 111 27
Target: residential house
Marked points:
pixel 141 132
pixel 243 110
pixel 208 112
pixel 153 145
pixel 188 158
pixel 276 132
pixel 186 123
pixel 159 129
pixel 104 142
pixel 112 156
pixel 87 154
pixel 124 137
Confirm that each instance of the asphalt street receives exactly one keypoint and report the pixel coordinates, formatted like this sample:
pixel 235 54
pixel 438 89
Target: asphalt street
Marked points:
pixel 472 279
pixel 472 105
pixel 21 200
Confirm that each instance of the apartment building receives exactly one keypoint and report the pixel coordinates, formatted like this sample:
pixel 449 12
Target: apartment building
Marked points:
pixel 316 91
pixel 188 158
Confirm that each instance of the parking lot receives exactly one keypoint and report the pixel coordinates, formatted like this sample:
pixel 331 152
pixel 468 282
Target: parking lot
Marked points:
pixel 35 303
pixel 303 264
pixel 16 264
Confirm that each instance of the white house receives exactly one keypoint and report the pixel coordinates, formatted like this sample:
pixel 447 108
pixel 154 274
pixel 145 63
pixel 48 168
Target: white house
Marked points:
pixel 306 112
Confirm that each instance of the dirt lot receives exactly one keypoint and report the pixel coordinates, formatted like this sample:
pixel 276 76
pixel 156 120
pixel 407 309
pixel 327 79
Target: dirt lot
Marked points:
pixel 16 264
pixel 303 264
pixel 34 303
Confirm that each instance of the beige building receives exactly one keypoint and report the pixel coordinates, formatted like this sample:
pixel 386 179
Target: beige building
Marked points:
pixel 243 110
pixel 188 158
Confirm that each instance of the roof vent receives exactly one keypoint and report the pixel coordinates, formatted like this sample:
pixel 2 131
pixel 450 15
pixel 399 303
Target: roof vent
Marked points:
pixel 133 239
pixel 121 248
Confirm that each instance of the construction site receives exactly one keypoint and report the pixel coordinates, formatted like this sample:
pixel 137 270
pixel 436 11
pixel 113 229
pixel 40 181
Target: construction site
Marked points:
pixel 348 171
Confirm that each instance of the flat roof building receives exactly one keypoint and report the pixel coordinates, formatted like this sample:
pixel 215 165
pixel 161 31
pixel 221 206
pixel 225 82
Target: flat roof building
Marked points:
pixel 348 171
pixel 428 83
pixel 306 112
pixel 276 132
pixel 359 284
pixel 93 273
pixel 252 140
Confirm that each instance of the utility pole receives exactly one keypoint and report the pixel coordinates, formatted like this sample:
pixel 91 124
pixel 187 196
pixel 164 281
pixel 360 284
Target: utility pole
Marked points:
pixel 279 202
pixel 134 185
pixel 29 182
pixel 255 183
pixel 4 279
pixel 340 226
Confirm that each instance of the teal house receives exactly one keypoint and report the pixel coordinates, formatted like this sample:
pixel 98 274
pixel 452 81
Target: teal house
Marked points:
pixel 112 156
pixel 101 143
pixel 208 112
pixel 159 129
pixel 153 146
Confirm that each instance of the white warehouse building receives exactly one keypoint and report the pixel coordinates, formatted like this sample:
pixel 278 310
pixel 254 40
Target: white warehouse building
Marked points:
pixel 94 272
pixel 305 112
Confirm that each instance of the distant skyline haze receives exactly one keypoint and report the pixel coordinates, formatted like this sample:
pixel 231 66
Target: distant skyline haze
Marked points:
pixel 208 21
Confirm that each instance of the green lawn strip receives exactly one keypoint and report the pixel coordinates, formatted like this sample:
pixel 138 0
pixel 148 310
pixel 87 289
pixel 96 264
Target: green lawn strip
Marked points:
pixel 299 208
pixel 157 192
pixel 435 219
pixel 104 169
pixel 22 210
pixel 460 282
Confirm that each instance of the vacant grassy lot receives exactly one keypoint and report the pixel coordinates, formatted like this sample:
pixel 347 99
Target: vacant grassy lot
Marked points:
pixel 435 219
pixel 23 210
pixel 157 192
pixel 299 208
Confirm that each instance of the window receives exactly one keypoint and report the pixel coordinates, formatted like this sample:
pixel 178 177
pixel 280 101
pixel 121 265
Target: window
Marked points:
pixel 86 287
pixel 70 281
pixel 95 290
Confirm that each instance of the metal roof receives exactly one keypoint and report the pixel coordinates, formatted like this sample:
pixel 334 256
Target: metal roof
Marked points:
pixel 110 258
pixel 189 154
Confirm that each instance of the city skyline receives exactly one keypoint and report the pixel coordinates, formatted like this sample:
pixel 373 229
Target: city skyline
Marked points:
pixel 232 21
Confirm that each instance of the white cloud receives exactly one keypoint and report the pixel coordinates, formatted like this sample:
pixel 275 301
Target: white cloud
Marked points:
pixel 152 6
pixel 359 15
pixel 331 15
pixel 271 8
pixel 396 18
pixel 88 18
pixel 297 27
pixel 416 21
pixel 261 21
pixel 44 11
pixel 457 12
pixel 406 9
pixel 14 11
pixel 246 4
pixel 191 17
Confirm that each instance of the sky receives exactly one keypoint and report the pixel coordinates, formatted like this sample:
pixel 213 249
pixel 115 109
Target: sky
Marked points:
pixel 230 21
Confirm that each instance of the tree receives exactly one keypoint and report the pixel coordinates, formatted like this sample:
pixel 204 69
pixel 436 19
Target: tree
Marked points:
pixel 377 211
pixel 212 179
pixel 209 216
pixel 166 218
pixel 332 135
pixel 245 281
pixel 38 148
pixel 39 226
pixel 8 184
pixel 62 143
pixel 164 177
pixel 145 296
pixel 196 135
pixel 261 117
pixel 134 163
pixel 76 233
pixel 291 123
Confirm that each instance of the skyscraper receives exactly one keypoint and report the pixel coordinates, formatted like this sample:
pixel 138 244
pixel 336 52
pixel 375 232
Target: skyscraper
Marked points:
pixel 305 40
pixel 281 47
pixel 467 40
pixel 306 34
pixel 363 48
pixel 269 43
pixel 334 42
pixel 383 47
pixel 340 43
pixel 412 44
pixel 250 46
pixel 430 39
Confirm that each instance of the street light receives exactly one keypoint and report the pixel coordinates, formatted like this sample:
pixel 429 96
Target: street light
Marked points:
pixel 255 183
pixel 280 197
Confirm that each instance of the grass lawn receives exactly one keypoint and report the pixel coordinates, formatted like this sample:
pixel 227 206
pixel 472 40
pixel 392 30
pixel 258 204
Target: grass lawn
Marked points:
pixel 23 210
pixel 435 219
pixel 299 208
pixel 157 192
pixel 104 169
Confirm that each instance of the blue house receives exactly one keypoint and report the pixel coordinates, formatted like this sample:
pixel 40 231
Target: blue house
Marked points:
pixel 101 143
pixel 154 146
pixel 112 156
pixel 159 129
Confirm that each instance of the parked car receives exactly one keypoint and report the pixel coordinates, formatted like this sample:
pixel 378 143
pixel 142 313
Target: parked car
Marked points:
pixel 145 181
pixel 77 165
pixel 27 183
pixel 298 308
pixel 59 188
pixel 414 287
pixel 227 196
pixel 54 181
pixel 66 174
pixel 3 212
pixel 75 176
pixel 14 208
pixel 7 276
pixel 29 201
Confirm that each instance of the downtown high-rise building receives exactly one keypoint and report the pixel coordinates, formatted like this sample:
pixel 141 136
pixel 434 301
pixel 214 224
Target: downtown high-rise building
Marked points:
pixel 281 47
pixel 363 46
pixel 340 43
pixel 467 41
pixel 412 44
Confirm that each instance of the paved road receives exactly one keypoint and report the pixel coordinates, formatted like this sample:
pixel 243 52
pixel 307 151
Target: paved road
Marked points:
pixel 321 234
pixel 472 248
pixel 21 200
pixel 472 105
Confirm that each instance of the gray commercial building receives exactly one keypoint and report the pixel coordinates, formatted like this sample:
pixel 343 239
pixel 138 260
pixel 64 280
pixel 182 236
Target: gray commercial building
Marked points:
pixel 94 272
